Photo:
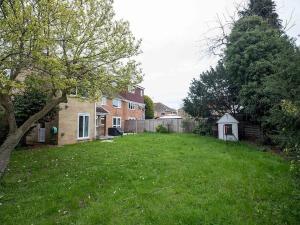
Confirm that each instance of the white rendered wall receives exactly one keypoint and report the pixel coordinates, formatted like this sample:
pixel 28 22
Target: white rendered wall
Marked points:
pixel 235 131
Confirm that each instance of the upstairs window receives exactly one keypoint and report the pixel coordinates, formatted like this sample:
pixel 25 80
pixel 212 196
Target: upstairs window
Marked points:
pixel 142 92
pixel 103 101
pixel 116 103
pixel 79 91
pixel 74 91
pixel 131 105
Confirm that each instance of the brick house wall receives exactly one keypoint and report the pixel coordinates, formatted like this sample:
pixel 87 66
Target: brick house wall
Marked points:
pixel 124 112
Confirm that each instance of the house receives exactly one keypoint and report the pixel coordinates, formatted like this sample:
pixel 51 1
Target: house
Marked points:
pixel 161 110
pixel 183 114
pixel 81 120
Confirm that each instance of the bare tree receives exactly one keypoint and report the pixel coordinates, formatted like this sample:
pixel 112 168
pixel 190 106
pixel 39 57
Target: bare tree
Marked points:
pixel 215 38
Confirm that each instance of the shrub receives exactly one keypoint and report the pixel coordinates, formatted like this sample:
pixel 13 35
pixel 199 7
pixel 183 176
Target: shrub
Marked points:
pixel 161 129
pixel 203 128
pixel 188 125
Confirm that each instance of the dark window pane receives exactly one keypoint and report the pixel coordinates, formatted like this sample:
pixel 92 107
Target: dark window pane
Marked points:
pixel 80 126
pixel 228 129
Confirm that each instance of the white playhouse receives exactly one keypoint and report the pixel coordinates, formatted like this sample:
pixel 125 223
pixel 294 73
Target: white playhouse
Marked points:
pixel 228 128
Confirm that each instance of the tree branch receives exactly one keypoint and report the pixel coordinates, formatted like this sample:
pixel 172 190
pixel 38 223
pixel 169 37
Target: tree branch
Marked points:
pixel 46 109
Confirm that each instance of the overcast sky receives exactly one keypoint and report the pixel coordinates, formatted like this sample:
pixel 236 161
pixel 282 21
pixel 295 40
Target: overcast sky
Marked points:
pixel 171 33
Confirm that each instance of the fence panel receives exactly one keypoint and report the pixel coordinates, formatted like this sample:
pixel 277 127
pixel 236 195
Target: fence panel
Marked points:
pixel 250 132
pixel 246 131
pixel 173 125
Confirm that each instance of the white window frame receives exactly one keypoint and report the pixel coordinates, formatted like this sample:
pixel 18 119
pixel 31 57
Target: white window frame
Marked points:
pixel 98 121
pixel 131 105
pixel 103 100
pixel 131 118
pixel 119 105
pixel 76 92
pixel 142 92
pixel 84 115
pixel 117 125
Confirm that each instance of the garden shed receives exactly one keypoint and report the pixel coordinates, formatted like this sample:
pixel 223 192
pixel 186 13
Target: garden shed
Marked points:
pixel 228 128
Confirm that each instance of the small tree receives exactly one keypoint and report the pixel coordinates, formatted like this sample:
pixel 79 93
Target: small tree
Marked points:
pixel 149 108
pixel 54 46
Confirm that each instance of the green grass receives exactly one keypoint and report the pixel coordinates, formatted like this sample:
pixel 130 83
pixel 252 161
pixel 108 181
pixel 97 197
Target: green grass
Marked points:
pixel 149 179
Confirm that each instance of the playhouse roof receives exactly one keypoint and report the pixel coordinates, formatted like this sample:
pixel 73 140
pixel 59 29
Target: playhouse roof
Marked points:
pixel 227 118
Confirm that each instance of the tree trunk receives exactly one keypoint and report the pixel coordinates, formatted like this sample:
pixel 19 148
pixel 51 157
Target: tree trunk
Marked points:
pixel 14 138
pixel 7 147
pixel 8 106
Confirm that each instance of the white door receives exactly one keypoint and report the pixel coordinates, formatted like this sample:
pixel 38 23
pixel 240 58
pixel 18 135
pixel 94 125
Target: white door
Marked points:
pixel 41 133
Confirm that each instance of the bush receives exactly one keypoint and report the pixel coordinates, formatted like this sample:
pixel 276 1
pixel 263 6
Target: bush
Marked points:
pixel 203 128
pixel 161 129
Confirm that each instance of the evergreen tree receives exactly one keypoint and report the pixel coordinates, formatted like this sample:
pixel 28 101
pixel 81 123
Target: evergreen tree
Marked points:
pixel 265 9
pixel 211 94
pixel 253 47
pixel 149 107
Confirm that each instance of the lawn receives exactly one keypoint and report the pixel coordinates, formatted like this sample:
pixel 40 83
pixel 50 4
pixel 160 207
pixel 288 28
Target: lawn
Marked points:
pixel 149 179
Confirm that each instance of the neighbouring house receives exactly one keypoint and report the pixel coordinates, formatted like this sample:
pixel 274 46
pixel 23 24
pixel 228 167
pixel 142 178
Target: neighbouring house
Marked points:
pixel 183 114
pixel 81 120
pixel 161 110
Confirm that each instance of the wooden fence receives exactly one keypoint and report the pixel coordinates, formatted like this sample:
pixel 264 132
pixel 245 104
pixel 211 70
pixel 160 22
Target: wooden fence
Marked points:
pixel 173 125
pixel 251 132
pixel 247 131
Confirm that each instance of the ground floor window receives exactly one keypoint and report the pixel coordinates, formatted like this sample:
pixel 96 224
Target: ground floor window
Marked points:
pixel 131 118
pixel 83 125
pixel 116 122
